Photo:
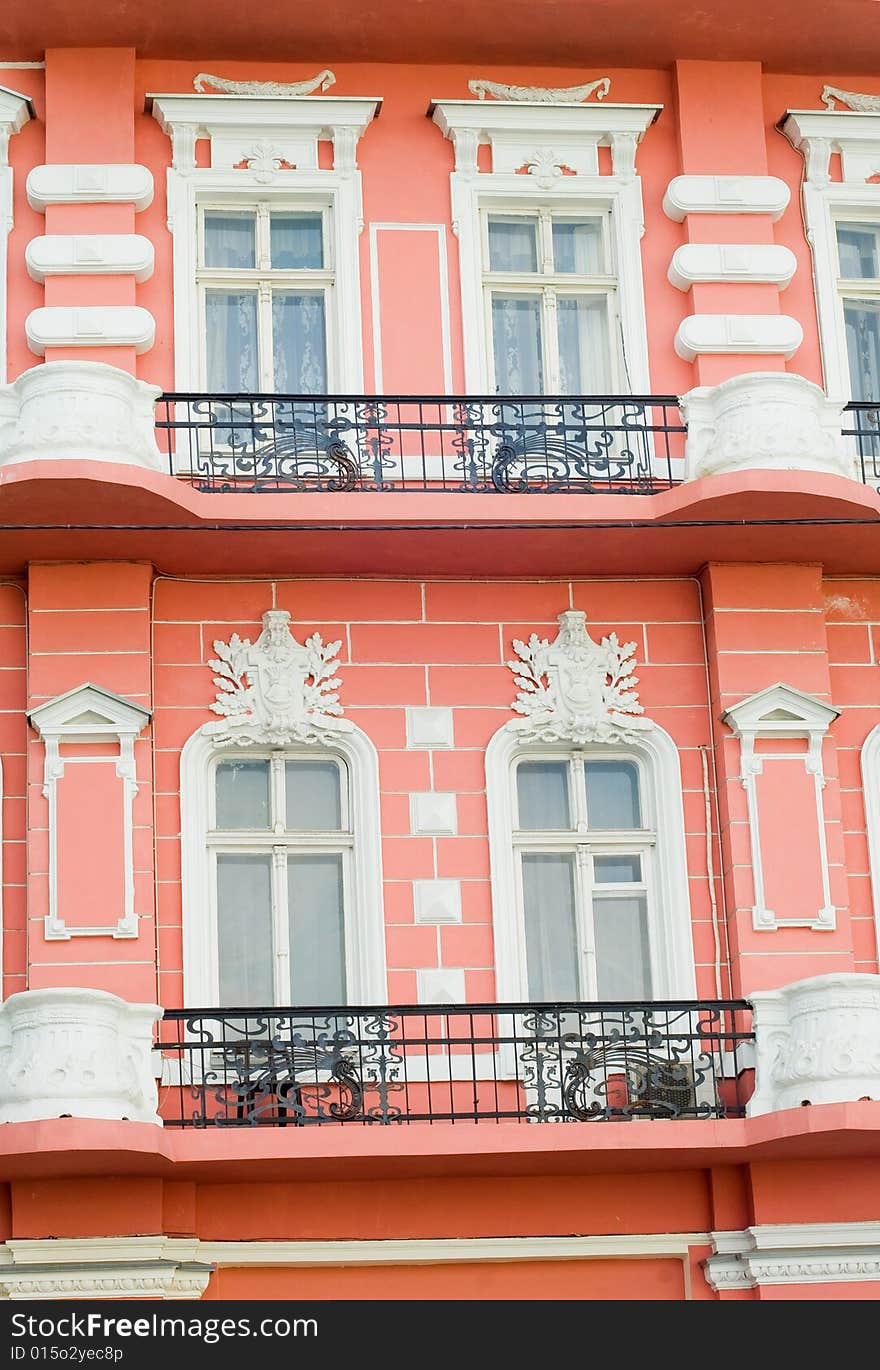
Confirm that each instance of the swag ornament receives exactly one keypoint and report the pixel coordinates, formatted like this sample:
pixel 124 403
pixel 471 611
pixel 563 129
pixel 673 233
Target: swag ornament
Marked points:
pixel 276 690
pixel 574 689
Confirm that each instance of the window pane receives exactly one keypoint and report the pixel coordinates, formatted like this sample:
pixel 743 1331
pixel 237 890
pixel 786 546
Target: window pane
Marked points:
pixel 242 794
pixel 862 319
pixel 296 241
pixel 622 958
pixel 314 803
pixel 244 929
pixel 231 324
pixel 613 870
pixel 317 944
pixel 516 336
pixel 612 794
pixel 577 246
pixel 551 929
pixel 542 790
pixel 513 244
pixel 229 240
pixel 582 329
pixel 857 247
pixel 299 344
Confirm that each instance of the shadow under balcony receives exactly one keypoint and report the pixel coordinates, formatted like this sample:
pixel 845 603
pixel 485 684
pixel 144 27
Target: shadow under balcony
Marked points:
pixel 476 1063
pixel 630 444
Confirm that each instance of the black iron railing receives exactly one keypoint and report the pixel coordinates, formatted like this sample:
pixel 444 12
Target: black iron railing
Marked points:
pixel 565 1062
pixel 862 422
pixel 250 443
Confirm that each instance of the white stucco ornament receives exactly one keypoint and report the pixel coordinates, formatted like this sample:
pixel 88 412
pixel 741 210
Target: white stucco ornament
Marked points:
pixel 764 420
pixel 276 690
pixel 574 689
pixel 321 81
pixel 76 1053
pixel 540 95
pixel 817 1042
pixel 851 99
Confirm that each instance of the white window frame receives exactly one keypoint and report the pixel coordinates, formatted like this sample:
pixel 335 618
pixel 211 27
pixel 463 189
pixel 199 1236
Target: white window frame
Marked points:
pixel 263 280
pixel 870 760
pixel 548 285
pixel 669 923
pixel 266 148
pixel 363 917
pixel 856 137
pixel 558 143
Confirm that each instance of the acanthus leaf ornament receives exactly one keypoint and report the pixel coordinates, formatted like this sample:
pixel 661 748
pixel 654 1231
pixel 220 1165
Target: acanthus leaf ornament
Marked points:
pixel 574 689
pixel 265 161
pixel 320 81
pixel 541 95
pixel 276 690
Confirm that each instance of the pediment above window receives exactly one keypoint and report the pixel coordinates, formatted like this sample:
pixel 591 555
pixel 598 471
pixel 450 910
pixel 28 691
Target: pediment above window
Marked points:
pixel 855 134
pixel 244 129
pixel 533 137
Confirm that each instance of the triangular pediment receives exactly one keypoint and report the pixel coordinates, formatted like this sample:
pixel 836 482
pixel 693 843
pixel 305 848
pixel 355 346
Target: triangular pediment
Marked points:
pixel 89 713
pixel 780 711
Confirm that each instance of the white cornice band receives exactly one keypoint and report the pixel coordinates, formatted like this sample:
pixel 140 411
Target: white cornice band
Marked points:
pixel 794 1253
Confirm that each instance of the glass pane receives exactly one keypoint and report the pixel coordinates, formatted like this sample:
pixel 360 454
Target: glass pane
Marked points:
pixel 612 794
pixel 299 344
pixel 577 246
pixel 317 943
pixel 242 789
pixel 614 870
pixel 229 240
pixel 516 336
pixel 296 241
pixel 551 929
pixel 231 324
pixel 244 929
pixel 542 789
pixel 582 330
pixel 862 319
pixel 513 244
pixel 857 247
pixel 314 803
pixel 622 957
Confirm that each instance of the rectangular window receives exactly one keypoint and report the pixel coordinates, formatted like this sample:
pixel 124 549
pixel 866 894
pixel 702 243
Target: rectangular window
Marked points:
pixel 584 859
pixel 281 842
pixel 550 297
pixel 264 274
pixel 858 250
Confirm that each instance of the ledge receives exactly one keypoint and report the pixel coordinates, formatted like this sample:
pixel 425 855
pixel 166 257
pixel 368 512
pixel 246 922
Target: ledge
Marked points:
pixel 85 1147
pixel 69 510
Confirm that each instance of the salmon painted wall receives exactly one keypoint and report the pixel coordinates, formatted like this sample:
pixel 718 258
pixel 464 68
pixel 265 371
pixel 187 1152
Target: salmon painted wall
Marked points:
pixel 704 105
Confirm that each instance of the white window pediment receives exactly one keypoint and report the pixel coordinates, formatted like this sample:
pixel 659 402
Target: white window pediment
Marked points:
pixel 264 153
pixel 545 160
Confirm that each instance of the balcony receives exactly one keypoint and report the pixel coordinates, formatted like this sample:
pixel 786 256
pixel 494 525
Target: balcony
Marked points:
pixel 590 444
pixel 862 425
pixel 480 1063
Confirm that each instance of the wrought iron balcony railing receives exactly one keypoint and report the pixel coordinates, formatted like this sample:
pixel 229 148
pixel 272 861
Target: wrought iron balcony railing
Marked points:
pixel 566 1062
pixel 631 444
pixel 862 422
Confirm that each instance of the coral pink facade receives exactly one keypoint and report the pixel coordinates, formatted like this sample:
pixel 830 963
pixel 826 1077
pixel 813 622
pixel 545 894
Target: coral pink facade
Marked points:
pixel 755 566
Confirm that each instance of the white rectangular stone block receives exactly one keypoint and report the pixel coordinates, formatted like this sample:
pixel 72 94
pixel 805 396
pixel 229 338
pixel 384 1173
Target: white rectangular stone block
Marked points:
pixel 437 901
pixel 432 813
pixel 443 986
pixel 429 729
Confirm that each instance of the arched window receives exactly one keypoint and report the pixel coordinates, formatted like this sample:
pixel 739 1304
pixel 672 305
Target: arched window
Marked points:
pixel 589 876
pixel 281 874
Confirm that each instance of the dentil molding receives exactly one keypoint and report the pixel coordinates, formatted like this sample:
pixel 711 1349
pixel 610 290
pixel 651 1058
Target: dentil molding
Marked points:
pixel 79 411
pixel 794 1253
pixel 78 1053
pixel 817 1041
pixel 768 420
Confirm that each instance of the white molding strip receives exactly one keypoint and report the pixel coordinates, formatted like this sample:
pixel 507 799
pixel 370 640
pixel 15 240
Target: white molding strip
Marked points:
pixel 443 264
pixel 15 111
pixel 871 790
pixel 794 1253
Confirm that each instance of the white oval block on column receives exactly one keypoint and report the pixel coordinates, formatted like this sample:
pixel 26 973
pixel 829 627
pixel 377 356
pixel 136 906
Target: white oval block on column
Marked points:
pixel 725 195
pixel 817 1041
pixel 90 184
pixel 733 334
pixel 729 263
pixel 111 325
pixel 79 411
pixel 79 1053
pixel 90 254
pixel 766 420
